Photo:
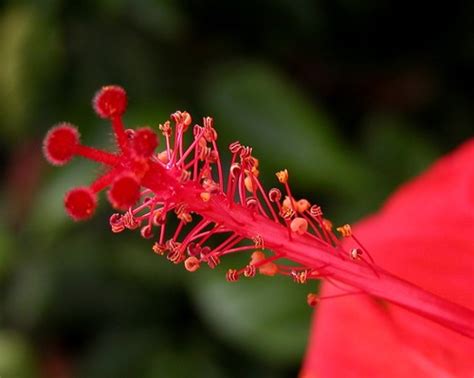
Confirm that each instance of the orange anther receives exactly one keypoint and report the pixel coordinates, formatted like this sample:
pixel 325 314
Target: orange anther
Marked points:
pixel 288 203
pixel 186 118
pixel 268 269
pixel 299 225
pixel 327 224
pixel 255 171
pixel 185 217
pixel 258 241
pixel 182 119
pixel 256 257
pixel 163 157
pixel 192 264
pixel 205 196
pixel 232 275
pixel 159 249
pixel 157 219
pixel 202 143
pixel 302 205
pixel 250 271
pixel 248 184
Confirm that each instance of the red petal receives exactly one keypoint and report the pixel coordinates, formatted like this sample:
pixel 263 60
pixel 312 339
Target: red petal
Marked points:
pixel 423 234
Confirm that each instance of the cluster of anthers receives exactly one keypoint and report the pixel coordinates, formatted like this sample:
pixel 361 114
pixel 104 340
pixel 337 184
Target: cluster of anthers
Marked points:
pixel 224 212
pixel 189 181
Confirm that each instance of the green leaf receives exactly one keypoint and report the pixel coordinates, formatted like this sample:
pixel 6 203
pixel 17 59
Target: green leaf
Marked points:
pixel 397 149
pixel 6 250
pixel 258 106
pixel 16 357
pixel 265 316
pixel 29 47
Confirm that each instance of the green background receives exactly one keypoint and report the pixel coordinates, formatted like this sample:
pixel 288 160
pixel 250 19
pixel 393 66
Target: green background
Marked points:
pixel 353 97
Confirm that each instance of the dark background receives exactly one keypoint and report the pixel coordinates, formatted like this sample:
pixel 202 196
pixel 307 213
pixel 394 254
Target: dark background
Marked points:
pixel 353 97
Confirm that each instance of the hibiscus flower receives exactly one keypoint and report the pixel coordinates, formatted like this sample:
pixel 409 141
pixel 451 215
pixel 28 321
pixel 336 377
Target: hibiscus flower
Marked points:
pixel 423 234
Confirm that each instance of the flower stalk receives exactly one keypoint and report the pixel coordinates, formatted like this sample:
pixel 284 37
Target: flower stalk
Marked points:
pixel 189 183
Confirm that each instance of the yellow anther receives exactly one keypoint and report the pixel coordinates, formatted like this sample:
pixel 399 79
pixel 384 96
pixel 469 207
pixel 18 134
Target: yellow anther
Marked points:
pixel 165 129
pixel 287 213
pixel 300 277
pixel 282 176
pixel 345 230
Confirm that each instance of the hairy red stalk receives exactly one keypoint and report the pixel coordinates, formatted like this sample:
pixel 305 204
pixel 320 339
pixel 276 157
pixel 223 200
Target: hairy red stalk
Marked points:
pixel 189 182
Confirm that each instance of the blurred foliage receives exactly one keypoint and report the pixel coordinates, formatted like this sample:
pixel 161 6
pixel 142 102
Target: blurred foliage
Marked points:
pixel 353 97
